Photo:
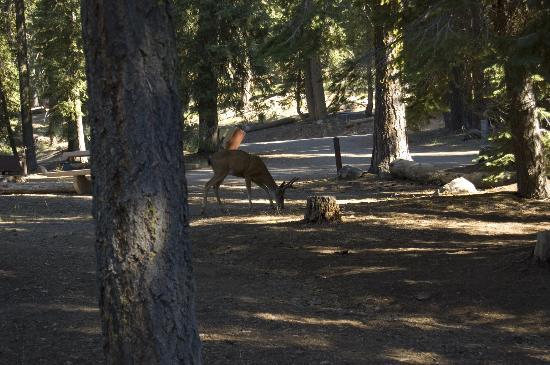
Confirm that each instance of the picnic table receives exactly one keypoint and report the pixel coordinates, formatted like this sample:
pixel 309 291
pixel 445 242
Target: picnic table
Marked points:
pixel 82 181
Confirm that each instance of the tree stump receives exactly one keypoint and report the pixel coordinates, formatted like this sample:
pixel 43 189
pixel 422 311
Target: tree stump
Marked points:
pixel 541 252
pixel 322 209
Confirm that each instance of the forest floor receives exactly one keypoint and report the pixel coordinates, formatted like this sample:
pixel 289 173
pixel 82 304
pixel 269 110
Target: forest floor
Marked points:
pixel 407 277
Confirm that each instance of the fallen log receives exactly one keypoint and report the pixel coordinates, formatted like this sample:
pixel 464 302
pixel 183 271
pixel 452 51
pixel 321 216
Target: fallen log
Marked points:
pixel 277 123
pixel 37 188
pixel 428 173
pixel 415 171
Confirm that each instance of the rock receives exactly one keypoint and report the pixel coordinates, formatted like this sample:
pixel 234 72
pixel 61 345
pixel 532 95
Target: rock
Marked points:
pixel 457 186
pixel 348 172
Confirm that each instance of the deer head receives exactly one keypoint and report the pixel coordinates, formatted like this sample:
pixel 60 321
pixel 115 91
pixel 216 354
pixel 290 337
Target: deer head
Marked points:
pixel 280 192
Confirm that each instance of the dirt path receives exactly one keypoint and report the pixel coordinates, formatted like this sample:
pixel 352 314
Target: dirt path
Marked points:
pixel 407 278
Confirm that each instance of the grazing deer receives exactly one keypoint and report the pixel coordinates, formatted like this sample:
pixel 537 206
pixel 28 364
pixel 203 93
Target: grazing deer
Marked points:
pixel 252 169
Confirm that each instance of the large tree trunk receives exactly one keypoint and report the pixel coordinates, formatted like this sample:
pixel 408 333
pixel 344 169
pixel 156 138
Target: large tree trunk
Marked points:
pixel 526 137
pixel 315 92
pixel 389 135
pixel 5 120
pixel 144 271
pixel 206 87
pixel 24 86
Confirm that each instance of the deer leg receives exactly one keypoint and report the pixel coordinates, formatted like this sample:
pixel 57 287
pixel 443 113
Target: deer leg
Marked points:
pixel 214 181
pixel 217 192
pixel 205 195
pixel 249 192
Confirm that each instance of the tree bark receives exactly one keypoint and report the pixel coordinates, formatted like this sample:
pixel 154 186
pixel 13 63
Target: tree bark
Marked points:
pixel 24 86
pixel 389 135
pixel 206 87
pixel 145 278
pixel 5 120
pixel 315 92
pixel 526 136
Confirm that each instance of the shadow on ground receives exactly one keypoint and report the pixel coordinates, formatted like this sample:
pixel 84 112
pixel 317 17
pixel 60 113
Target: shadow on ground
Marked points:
pixel 406 278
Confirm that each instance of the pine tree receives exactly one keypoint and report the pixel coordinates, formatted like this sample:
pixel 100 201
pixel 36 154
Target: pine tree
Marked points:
pixel 24 86
pixel 389 136
pixel 146 287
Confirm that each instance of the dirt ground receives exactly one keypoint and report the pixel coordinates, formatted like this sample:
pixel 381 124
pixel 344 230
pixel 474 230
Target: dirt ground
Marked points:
pixel 408 277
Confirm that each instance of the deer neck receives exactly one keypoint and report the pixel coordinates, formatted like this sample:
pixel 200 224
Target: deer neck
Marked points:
pixel 270 183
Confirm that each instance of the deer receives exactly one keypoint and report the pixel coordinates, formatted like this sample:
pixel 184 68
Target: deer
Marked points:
pixel 250 167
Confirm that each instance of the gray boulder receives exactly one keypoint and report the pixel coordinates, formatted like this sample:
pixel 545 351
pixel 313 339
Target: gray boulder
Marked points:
pixel 457 186
pixel 348 172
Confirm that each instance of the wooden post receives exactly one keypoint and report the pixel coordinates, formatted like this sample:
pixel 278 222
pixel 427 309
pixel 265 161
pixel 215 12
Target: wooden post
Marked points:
pixel 337 154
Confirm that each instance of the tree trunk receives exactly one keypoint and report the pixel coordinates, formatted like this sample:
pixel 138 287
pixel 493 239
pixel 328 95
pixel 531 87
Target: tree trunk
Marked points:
pixel 526 137
pixel 80 125
pixel 389 135
pixel 206 87
pixel 72 136
pixel 370 90
pixel 457 102
pixel 315 92
pixel 145 278
pixel 24 86
pixel 5 120
pixel 478 75
pixel 75 129
pixel 298 94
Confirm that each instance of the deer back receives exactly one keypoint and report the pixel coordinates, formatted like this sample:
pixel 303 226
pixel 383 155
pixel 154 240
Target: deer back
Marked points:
pixel 242 164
